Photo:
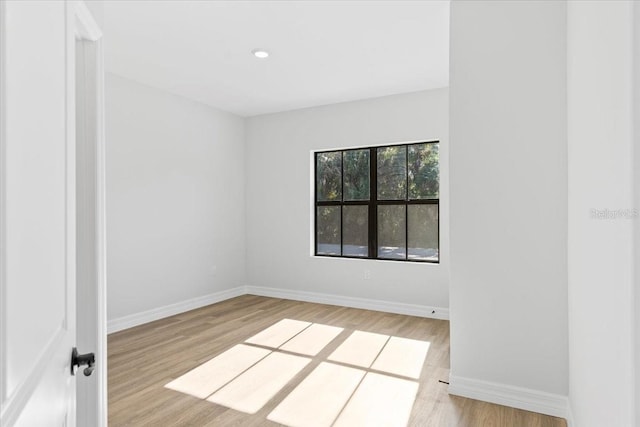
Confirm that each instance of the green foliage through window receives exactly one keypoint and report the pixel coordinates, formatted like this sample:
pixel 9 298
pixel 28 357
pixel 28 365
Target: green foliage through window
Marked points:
pixel 329 176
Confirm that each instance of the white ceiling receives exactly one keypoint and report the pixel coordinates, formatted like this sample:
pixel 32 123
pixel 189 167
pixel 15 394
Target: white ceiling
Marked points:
pixel 322 52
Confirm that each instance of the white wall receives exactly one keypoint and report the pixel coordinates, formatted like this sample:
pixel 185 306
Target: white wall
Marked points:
pixel 508 166
pixel 279 203
pixel 175 199
pixel 96 7
pixel 636 185
pixel 601 177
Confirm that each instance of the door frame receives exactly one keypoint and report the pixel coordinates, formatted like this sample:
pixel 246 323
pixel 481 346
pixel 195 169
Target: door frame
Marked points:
pixel 88 31
pixel 3 109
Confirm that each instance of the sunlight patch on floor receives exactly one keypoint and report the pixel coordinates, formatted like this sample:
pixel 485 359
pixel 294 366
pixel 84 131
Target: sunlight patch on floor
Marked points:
pixel 380 400
pixel 319 398
pixel 359 349
pixel 312 340
pixel 251 390
pixel 368 391
pixel 276 335
pixel 402 356
pixel 210 376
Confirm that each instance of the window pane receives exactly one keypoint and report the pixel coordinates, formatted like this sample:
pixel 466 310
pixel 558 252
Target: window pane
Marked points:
pixel 424 174
pixel 355 230
pixel 356 175
pixel 329 176
pixel 391 231
pixel 423 232
pixel 392 173
pixel 328 237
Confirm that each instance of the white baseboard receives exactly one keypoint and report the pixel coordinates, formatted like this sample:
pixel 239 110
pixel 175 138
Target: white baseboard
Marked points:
pixel 516 397
pixel 363 303
pixel 136 319
pixel 570 422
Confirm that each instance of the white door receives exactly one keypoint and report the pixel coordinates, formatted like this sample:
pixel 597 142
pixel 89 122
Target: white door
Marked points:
pixel 37 213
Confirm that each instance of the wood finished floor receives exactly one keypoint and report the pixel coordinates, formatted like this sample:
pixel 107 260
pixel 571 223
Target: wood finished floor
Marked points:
pixel 145 358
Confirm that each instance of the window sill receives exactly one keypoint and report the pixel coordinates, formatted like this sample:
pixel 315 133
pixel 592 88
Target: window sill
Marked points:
pixel 394 261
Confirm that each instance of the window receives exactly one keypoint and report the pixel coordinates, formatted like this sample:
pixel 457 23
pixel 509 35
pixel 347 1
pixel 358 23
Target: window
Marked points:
pixel 378 202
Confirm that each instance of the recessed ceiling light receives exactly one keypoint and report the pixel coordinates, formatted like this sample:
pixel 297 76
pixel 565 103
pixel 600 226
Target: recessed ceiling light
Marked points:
pixel 260 53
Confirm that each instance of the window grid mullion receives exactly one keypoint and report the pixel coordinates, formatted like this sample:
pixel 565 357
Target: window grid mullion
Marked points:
pixel 406 204
pixel 342 204
pixel 373 208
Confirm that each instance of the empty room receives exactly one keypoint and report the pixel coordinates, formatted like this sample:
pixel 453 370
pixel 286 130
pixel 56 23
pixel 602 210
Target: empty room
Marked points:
pixel 319 213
